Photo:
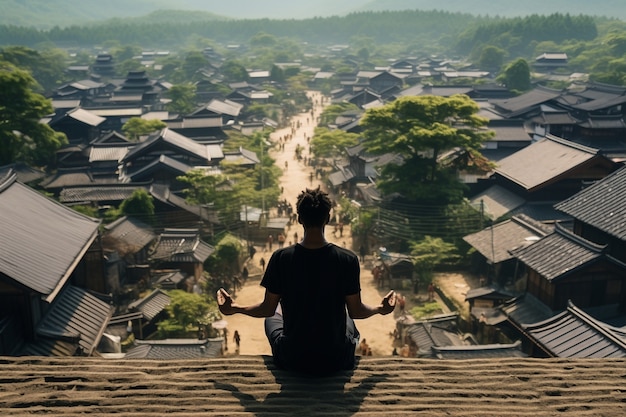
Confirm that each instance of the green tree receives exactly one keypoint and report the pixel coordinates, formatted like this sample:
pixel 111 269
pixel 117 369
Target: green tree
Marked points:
pixel 491 58
pixel 183 98
pixel 234 71
pixel 331 143
pixel 224 262
pixel 429 253
pixel 136 127
pixel 186 310
pixel 22 135
pixel 420 130
pixel 330 113
pixel 140 204
pixel 516 76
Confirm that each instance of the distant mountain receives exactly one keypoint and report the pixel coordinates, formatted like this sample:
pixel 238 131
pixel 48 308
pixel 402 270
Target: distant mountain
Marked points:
pixel 48 13
pixel 507 8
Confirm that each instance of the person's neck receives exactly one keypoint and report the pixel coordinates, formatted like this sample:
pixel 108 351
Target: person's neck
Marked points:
pixel 313 238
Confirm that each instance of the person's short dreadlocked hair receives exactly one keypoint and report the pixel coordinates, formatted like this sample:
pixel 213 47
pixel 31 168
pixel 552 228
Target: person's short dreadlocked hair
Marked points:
pixel 313 207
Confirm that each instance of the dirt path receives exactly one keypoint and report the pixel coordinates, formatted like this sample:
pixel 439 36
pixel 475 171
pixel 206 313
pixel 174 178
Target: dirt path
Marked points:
pixel 296 177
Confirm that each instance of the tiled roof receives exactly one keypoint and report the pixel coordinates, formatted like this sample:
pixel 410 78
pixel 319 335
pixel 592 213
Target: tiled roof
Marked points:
pixel 519 105
pixel 497 201
pixel 494 243
pixel 75 315
pixel 181 245
pixel 109 153
pixel 559 254
pixel 175 349
pixel 602 205
pixel 40 239
pixel 86 117
pixel 174 139
pixel 526 310
pixel 247 386
pixel 550 157
pixel 151 305
pixel 131 231
pixel 574 334
pixel 97 194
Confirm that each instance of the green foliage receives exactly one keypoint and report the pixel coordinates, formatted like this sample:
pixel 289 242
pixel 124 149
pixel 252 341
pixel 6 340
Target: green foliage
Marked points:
pixel 491 57
pixel 332 143
pixel 429 253
pixel 518 35
pixel 224 262
pixel 183 98
pixel 330 113
pixel 425 310
pixel 140 204
pixel 87 210
pixel 421 129
pixel 136 127
pixel 186 310
pixel 516 76
pixel 22 135
pixel 47 66
pixel 234 71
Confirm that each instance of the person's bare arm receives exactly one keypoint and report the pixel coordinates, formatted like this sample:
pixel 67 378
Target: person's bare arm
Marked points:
pixel 265 308
pixel 358 310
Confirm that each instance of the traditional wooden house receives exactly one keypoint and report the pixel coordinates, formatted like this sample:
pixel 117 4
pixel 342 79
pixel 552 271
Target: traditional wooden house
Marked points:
pixel 51 270
pixel 493 259
pixel 560 169
pixel 181 249
pixel 79 125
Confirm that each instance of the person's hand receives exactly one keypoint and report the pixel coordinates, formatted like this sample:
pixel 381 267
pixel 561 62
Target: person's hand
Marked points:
pixel 389 303
pixel 225 302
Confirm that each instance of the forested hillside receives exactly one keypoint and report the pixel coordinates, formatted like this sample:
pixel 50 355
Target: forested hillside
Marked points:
pixel 46 14
pixel 507 8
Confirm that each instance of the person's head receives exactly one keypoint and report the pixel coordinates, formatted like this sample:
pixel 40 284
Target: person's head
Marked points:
pixel 313 208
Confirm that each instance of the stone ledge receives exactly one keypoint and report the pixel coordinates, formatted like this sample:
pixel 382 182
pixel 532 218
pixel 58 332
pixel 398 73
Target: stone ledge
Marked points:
pixel 251 386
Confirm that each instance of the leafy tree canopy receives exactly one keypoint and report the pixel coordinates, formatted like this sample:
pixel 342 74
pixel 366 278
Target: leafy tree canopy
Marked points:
pixel 420 130
pixel 183 98
pixel 516 76
pixel 329 143
pixel 140 204
pixel 22 135
pixel 136 127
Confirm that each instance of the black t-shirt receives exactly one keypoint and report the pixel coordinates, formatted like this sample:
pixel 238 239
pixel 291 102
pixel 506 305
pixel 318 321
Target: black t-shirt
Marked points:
pixel 313 284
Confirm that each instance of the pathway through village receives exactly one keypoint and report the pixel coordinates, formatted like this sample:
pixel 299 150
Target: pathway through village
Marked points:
pixel 297 176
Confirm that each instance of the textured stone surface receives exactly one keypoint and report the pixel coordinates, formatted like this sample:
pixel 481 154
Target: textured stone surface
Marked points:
pixel 250 385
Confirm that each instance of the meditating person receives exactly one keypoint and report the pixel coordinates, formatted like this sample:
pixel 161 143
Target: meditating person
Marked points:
pixel 312 295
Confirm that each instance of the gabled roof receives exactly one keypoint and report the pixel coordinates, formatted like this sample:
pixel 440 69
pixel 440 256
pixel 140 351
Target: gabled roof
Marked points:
pixel 602 205
pixel 175 349
pixel 227 107
pixel 41 240
pixel 497 201
pixel 550 158
pixel 559 254
pixel 75 316
pixel 163 194
pixel 181 245
pixel 160 163
pixel 575 334
pixel 151 305
pixel 76 177
pixel 177 141
pixel 524 103
pixel 242 157
pixel 86 117
pixel 526 309
pixel 97 194
pixel 131 232
pixel 494 243
pixel 109 152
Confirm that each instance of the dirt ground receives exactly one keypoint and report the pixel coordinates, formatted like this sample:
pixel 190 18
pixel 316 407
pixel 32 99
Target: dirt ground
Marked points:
pixel 296 176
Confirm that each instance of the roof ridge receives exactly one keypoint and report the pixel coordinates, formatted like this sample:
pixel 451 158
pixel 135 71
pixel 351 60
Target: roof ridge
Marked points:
pixel 571 144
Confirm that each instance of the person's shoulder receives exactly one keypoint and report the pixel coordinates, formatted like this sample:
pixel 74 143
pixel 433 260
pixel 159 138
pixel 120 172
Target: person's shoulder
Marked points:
pixel 340 250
